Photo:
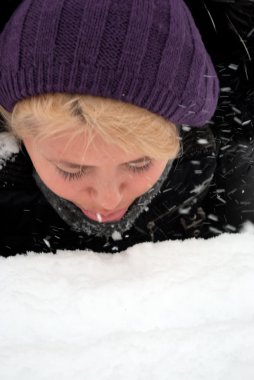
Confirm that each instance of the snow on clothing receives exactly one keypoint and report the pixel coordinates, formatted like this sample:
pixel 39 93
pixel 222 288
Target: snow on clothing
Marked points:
pixel 209 189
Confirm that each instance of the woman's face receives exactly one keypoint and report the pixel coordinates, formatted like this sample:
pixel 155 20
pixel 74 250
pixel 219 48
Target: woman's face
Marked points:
pixel 100 178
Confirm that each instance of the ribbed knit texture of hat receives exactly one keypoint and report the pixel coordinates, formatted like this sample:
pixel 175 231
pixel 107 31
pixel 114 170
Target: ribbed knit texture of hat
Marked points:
pixel 145 52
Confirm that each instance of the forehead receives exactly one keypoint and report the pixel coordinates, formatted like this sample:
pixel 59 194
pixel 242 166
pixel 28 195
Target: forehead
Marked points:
pixel 79 149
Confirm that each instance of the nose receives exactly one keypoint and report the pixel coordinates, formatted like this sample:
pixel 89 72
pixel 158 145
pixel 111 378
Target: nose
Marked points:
pixel 107 196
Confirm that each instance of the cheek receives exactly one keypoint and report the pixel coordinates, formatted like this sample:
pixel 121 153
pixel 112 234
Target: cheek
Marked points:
pixel 63 188
pixel 141 184
pixel 154 174
pixel 144 182
pixel 55 182
pixel 48 173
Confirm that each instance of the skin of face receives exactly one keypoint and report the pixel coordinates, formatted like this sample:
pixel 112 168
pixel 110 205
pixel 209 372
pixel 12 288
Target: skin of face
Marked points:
pixel 105 179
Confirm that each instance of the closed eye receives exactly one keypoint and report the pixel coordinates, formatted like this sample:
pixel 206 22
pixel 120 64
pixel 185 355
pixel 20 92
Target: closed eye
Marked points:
pixel 134 167
pixel 71 176
pixel 140 167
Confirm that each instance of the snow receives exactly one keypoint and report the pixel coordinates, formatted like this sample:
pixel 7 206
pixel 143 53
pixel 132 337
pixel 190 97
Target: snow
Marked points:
pixel 8 147
pixel 171 310
pixel 116 235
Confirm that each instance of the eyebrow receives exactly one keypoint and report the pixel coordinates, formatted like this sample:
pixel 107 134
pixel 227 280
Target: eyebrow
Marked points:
pixel 73 165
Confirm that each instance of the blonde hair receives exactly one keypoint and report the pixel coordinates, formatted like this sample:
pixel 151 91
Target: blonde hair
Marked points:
pixel 128 126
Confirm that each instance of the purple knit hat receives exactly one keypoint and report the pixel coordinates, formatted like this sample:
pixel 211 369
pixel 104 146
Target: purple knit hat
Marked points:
pixel 145 52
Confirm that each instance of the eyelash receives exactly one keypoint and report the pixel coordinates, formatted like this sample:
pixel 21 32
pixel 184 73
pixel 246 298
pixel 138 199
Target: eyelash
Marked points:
pixel 76 176
pixel 71 176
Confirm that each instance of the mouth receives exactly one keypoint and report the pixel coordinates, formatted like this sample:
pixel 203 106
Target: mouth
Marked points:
pixel 103 217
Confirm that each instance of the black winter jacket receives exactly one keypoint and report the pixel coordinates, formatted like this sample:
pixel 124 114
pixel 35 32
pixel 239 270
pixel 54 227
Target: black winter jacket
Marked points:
pixel 210 188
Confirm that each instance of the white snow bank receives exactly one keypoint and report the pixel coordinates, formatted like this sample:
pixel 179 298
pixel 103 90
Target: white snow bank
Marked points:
pixel 173 310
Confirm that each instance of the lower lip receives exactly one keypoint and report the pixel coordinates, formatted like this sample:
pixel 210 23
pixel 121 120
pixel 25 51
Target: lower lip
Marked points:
pixel 113 217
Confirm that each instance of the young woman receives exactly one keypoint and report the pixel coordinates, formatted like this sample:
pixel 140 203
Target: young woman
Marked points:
pixel 111 102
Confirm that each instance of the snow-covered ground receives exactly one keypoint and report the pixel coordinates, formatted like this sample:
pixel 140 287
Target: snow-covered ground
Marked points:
pixel 173 310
